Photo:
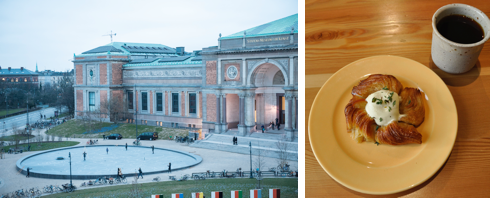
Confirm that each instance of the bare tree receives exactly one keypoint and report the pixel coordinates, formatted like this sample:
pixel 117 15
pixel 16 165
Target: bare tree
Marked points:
pixel 66 92
pixel 17 134
pixel 135 187
pixel 259 161
pixel 284 155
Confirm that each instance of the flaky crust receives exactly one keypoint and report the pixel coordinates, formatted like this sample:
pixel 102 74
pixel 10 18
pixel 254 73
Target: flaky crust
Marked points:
pixel 375 83
pixel 412 106
pixel 363 128
pixel 398 133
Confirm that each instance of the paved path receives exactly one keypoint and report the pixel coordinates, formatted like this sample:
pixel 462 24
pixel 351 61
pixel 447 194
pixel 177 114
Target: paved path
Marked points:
pixel 20 120
pixel 213 160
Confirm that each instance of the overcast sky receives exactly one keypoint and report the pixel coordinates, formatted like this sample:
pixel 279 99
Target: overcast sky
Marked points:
pixel 49 32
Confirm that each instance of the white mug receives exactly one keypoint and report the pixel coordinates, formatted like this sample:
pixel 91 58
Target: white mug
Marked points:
pixel 452 57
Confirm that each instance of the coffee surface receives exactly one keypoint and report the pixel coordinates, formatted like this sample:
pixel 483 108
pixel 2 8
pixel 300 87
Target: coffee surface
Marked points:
pixel 460 29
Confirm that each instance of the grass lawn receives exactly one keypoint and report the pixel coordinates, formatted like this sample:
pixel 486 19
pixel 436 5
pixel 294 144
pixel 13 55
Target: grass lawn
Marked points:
pixel 4 112
pixel 13 137
pixel 36 146
pixel 288 186
pixel 77 128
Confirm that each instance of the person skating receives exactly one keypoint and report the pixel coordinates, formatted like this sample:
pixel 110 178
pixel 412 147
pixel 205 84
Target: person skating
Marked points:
pixel 140 173
pixel 84 155
pixel 126 146
pixel 107 150
pixel 169 167
pixel 152 149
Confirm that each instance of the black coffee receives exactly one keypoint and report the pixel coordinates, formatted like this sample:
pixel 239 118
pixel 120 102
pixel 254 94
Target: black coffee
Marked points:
pixel 460 29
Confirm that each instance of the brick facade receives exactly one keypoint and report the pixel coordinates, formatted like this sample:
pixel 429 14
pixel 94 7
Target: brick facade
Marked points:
pixel 211 72
pixel 117 73
pixel 79 58
pixel 211 102
pixel 104 105
pixel 237 65
pixel 103 73
pixel 151 102
pixel 119 57
pixel 101 56
pixel 79 71
pixel 79 101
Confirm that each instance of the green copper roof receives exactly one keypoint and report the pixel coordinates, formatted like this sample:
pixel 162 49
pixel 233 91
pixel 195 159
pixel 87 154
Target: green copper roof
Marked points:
pixel 281 26
pixel 129 48
pixel 188 61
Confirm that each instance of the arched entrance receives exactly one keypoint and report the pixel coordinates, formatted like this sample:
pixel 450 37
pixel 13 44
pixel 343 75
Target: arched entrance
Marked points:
pixel 268 78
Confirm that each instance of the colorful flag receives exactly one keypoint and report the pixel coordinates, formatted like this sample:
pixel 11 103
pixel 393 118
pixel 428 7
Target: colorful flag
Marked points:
pixel 274 193
pixel 177 195
pixel 256 193
pixel 216 194
pixel 236 194
pixel 197 194
pixel 156 196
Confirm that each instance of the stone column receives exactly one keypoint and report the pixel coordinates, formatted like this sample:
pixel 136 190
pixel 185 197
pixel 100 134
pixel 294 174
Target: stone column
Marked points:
pixel 244 72
pixel 198 105
pixel 225 124
pixel 291 70
pixel 218 114
pixel 249 112
pixel 204 107
pixel 241 122
pixel 288 121
pixel 294 112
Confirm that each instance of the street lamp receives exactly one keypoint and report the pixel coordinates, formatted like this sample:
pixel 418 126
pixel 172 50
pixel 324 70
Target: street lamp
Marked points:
pixel 27 124
pixel 136 113
pixel 69 155
pixel 250 145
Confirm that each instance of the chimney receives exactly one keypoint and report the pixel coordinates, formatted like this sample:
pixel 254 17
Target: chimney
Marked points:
pixel 21 68
pixel 180 51
pixel 9 68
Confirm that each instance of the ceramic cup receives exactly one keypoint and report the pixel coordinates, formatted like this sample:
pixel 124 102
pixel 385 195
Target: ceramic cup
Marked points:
pixel 452 57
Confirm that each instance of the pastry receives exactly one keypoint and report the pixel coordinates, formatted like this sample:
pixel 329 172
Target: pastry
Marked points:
pixel 382 111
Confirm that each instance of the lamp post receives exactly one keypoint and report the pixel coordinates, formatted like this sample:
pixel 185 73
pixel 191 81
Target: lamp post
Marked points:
pixel 27 124
pixel 250 145
pixel 136 112
pixel 69 155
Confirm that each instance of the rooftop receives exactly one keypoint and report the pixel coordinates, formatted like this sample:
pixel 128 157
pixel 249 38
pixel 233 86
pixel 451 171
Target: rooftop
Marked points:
pixel 131 48
pixel 280 26
pixel 16 72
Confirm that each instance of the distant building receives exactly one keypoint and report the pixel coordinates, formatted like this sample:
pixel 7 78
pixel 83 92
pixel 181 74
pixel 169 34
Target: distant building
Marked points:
pixel 51 78
pixel 250 79
pixel 14 75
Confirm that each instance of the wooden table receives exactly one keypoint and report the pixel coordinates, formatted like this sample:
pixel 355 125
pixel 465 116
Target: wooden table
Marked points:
pixel 340 32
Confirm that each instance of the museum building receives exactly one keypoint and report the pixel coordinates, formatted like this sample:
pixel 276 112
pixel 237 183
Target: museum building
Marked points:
pixel 248 80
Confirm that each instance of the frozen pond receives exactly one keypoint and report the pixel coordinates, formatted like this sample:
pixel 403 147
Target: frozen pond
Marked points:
pixel 100 163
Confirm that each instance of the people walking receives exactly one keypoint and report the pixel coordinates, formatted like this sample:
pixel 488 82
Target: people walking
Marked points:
pixel 152 149
pixel 27 172
pixel 84 155
pixel 169 167
pixel 233 140
pixel 263 128
pixel 107 150
pixel 126 146
pixel 119 173
pixel 140 173
pixel 273 126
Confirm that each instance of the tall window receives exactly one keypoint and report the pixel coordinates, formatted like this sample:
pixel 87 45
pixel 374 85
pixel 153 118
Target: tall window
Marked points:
pixel 91 101
pixel 192 103
pixel 159 102
pixel 144 101
pixel 130 100
pixel 175 102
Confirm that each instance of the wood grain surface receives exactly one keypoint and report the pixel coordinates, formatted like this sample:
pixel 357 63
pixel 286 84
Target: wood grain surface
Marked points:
pixel 340 32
